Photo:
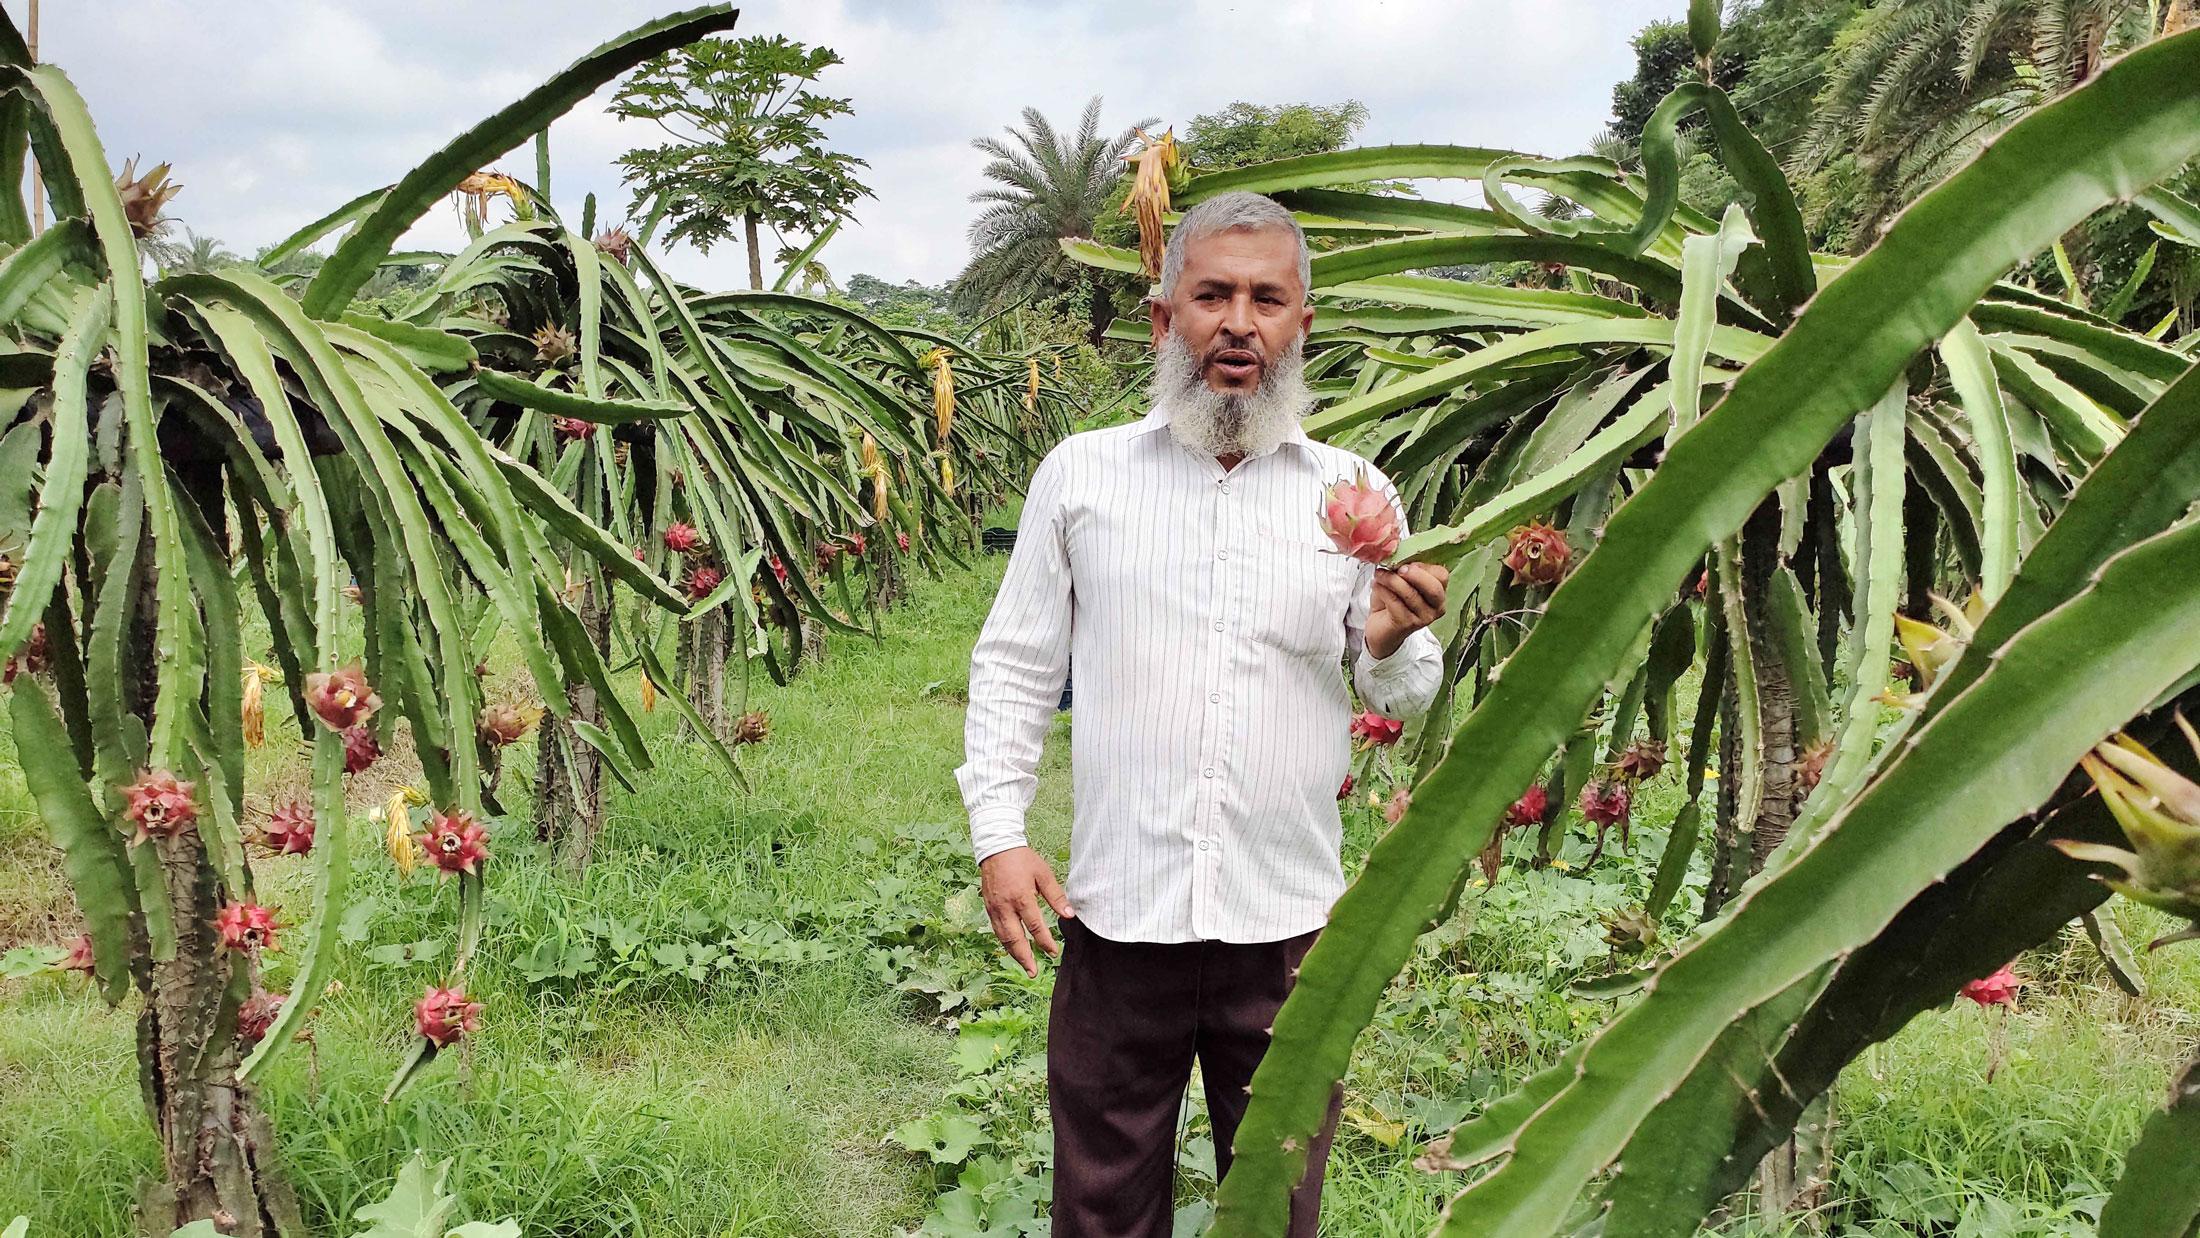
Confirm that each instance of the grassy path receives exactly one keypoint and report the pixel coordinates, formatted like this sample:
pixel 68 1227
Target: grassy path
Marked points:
pixel 624 1084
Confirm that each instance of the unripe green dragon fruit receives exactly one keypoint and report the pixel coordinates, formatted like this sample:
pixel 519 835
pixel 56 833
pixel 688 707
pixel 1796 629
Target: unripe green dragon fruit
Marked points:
pixel 2159 810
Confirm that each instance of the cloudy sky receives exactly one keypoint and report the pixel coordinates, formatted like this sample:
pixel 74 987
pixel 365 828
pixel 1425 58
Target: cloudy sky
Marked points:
pixel 273 113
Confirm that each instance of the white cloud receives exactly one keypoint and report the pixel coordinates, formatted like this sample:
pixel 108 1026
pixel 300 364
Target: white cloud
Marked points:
pixel 273 112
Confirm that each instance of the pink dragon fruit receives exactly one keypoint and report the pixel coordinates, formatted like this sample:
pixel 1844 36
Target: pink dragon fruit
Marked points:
pixel 1537 554
pixel 79 957
pixel 1641 760
pixel 444 1016
pixel 681 538
pixel 1530 807
pixel 256 1015
pixel 361 749
pixel 290 829
pixel 247 926
pixel 1999 989
pixel 1606 801
pixel 701 580
pixel 1360 520
pixel 1373 730
pixel 455 842
pixel 158 804
pixel 342 698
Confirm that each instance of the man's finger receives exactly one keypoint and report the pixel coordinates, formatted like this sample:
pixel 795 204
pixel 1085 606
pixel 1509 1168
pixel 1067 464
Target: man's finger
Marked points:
pixel 1403 596
pixel 1036 921
pixel 1429 582
pixel 1011 932
pixel 1051 891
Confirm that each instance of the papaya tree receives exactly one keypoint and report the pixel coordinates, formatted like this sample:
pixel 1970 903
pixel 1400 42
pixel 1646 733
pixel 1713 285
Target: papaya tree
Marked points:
pixel 1636 406
pixel 207 453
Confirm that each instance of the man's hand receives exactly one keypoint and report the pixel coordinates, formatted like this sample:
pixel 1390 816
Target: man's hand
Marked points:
pixel 1012 883
pixel 1405 600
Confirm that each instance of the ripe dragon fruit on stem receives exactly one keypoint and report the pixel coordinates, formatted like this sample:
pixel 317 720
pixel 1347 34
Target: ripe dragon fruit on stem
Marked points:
pixel 455 842
pixel 1999 989
pixel 342 698
pixel 1641 760
pixel 1373 730
pixel 2159 810
pixel 361 749
pixel 159 805
pixel 1394 808
pixel 702 580
pixel 503 725
pixel 445 1016
pixel 247 926
pixel 79 957
pixel 1606 802
pixel 680 538
pixel 256 1014
pixel 1360 520
pixel 1537 554
pixel 290 829
pixel 1530 807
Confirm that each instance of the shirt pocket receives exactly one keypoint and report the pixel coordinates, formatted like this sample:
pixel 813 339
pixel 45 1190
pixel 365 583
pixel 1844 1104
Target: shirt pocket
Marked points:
pixel 1304 591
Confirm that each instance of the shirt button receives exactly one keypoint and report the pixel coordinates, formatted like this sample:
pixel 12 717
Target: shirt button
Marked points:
pixel 1202 844
pixel 1218 625
pixel 1214 696
pixel 1222 554
pixel 1209 773
pixel 1226 487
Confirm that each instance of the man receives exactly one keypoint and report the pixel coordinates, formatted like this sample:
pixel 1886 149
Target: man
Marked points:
pixel 1181 559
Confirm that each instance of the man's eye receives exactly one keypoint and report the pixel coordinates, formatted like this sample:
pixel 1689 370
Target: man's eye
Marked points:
pixel 1209 296
pixel 1271 300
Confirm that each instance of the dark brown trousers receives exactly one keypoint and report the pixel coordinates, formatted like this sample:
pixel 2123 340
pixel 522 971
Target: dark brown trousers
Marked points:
pixel 1127 1021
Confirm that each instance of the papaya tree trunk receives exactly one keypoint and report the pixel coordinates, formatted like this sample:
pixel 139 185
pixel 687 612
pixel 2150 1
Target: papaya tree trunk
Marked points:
pixel 756 252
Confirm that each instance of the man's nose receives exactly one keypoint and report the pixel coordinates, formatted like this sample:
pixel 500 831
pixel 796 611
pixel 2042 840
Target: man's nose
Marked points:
pixel 1237 326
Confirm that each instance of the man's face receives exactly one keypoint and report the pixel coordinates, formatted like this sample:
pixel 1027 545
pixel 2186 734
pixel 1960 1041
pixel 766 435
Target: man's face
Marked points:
pixel 1238 304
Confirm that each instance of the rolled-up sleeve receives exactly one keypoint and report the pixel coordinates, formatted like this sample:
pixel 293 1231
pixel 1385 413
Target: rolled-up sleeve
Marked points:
pixel 1404 684
pixel 1017 670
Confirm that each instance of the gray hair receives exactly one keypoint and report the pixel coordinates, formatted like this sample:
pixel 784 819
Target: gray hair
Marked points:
pixel 1223 213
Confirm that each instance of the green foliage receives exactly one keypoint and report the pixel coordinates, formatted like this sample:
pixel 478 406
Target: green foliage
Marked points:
pixel 1246 133
pixel 419 1207
pixel 748 144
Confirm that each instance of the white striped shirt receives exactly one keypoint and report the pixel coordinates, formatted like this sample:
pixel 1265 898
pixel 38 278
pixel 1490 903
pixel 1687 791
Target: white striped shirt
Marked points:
pixel 1208 618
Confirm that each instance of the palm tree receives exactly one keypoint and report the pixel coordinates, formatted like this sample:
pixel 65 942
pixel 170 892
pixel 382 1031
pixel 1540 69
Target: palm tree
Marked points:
pixel 1917 86
pixel 189 254
pixel 1048 186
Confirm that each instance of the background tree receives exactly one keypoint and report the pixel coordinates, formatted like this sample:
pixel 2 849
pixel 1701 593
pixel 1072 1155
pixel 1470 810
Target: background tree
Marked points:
pixel 1048 186
pixel 746 147
pixel 1244 133
pixel 1914 88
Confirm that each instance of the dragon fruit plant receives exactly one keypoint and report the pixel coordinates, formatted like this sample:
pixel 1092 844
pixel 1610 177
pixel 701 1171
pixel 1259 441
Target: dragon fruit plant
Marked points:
pixel 211 454
pixel 1824 443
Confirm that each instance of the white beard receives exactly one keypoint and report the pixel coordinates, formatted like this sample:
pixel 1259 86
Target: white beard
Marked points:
pixel 1217 424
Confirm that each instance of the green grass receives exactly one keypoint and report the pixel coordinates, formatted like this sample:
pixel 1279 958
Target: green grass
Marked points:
pixel 759 1101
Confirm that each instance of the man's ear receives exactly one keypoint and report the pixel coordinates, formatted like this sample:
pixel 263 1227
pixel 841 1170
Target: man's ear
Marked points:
pixel 1306 322
pixel 1157 313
